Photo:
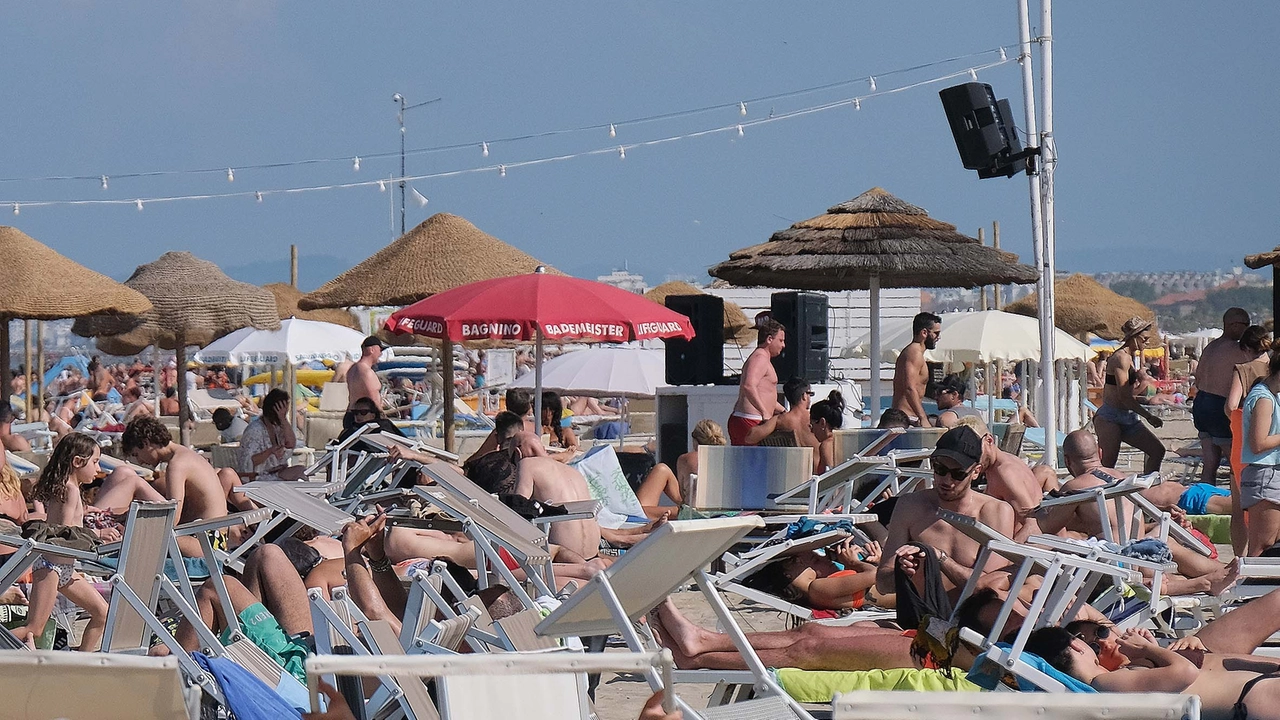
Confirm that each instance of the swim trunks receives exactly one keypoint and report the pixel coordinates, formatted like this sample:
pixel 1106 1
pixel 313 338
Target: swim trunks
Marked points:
pixel 1195 499
pixel 260 626
pixel 739 425
pixel 1208 414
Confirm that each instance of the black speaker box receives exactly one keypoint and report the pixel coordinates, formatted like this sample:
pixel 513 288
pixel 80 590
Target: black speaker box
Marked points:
pixel 804 315
pixel 984 130
pixel 699 361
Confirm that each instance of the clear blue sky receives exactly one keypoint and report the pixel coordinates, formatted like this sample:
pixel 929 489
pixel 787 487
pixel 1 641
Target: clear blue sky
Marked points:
pixel 1165 125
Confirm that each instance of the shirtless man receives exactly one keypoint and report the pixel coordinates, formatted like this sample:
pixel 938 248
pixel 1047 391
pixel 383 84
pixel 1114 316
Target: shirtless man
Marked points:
pixel 794 421
pixel 188 478
pixel 758 389
pixel 911 373
pixel 950 398
pixel 1213 384
pixel 100 382
pixel 362 382
pixel 8 440
pixel 956 462
pixel 1009 479
pixel 520 404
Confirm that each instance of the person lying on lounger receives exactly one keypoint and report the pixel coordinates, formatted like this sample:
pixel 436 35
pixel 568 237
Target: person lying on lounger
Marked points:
pixel 817 582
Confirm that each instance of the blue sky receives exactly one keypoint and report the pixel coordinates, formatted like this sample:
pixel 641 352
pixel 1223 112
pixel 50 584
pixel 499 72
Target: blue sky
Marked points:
pixel 1164 123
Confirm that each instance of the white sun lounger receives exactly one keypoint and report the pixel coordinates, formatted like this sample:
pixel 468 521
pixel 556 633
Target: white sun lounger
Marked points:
pixel 46 684
pixel 888 705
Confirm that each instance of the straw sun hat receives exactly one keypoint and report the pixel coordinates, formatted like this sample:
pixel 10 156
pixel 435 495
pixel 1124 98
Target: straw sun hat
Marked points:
pixel 1134 326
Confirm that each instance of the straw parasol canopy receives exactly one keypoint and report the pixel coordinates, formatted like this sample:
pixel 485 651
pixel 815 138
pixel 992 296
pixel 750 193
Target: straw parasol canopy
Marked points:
pixel 1083 305
pixel 737 326
pixel 194 303
pixel 874 234
pixel 287 297
pixel 37 283
pixel 444 252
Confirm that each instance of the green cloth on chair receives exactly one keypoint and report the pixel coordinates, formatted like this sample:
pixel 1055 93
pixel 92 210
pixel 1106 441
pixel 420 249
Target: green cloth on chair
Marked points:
pixel 1217 527
pixel 819 686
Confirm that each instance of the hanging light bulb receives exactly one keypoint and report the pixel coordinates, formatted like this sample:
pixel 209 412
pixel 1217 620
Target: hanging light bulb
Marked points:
pixel 104 182
pixel 484 149
pixel 502 171
pixel 1002 55
pixel 355 164
pixel 973 75
pixel 258 195
pixel 17 209
pixel 740 132
pixel 857 104
pixel 742 109
pixel 382 186
pixel 613 131
pixel 139 204
pixel 231 175
pixel 422 199
pixel 872 82
pixel 622 153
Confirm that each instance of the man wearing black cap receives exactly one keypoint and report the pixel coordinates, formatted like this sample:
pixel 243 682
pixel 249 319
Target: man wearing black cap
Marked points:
pixel 917 533
pixel 362 382
pixel 950 398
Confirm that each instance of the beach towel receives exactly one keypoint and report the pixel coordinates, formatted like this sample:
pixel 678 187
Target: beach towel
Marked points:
pixel 250 698
pixel 608 484
pixel 819 686
pixel 988 675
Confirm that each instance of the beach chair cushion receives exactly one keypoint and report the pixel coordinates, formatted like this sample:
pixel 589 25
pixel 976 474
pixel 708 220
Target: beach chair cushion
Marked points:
pixel 819 686
pixel 607 482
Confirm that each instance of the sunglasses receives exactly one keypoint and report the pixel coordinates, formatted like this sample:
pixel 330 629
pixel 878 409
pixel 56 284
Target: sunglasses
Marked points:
pixel 955 473
pixel 1100 632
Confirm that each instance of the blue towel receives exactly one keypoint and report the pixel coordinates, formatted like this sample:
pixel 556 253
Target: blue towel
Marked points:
pixel 197 568
pixel 1148 549
pixel 982 675
pixel 248 697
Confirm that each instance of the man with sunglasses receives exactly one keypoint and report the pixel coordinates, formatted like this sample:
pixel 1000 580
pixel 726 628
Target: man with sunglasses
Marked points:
pixel 956 463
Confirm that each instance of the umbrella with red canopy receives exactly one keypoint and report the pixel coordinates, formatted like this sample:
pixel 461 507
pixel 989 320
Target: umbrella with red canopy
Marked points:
pixel 537 307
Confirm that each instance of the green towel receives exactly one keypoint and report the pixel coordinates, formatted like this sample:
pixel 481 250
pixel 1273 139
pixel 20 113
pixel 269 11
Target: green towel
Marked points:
pixel 815 686
pixel 1217 527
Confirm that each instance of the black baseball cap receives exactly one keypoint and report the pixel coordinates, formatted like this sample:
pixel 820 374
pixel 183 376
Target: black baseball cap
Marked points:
pixel 371 341
pixel 960 444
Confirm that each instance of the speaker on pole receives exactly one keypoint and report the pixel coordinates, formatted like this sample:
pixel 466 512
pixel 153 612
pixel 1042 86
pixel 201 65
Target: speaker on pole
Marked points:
pixel 804 315
pixel 984 130
pixel 699 361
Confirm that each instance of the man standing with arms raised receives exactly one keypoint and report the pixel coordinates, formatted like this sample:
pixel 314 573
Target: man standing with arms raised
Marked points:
pixel 362 382
pixel 911 372
pixel 758 389
pixel 1213 384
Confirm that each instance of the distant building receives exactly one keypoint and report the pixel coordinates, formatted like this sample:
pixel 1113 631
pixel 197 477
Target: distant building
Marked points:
pixel 625 280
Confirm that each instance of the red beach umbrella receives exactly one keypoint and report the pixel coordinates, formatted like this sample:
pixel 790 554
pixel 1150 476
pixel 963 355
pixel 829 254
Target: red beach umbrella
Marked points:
pixel 539 306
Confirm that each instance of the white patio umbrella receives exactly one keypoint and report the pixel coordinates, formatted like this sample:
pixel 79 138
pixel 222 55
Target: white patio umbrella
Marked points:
pixel 296 342
pixel 974 337
pixel 603 371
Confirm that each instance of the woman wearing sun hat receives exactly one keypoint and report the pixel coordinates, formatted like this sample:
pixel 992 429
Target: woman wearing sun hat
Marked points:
pixel 1119 419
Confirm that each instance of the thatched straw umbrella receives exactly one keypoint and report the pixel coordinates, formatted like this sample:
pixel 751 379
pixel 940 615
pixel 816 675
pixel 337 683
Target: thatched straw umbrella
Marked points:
pixel 37 283
pixel 872 241
pixel 445 251
pixel 738 328
pixel 1082 305
pixel 287 297
pixel 1261 260
pixel 195 304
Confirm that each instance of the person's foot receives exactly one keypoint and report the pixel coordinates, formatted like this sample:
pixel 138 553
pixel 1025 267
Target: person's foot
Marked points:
pixel 681 632
pixel 1221 582
pixel 661 636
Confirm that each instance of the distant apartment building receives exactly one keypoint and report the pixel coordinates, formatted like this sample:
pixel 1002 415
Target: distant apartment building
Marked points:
pixel 625 280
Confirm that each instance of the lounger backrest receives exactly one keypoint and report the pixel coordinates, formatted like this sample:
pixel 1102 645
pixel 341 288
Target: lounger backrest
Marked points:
pixel 147 533
pixel 648 573
pixel 889 705
pixel 49 684
pixel 509 535
pixel 303 507
pixel 383 641
pixel 747 478
pixel 519 632
pixel 1012 440
pixel 334 397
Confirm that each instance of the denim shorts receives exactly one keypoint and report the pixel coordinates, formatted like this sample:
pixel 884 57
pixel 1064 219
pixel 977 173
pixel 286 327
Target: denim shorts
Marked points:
pixel 1128 420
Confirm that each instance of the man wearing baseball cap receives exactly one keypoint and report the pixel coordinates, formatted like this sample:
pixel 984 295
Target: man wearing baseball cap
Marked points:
pixel 923 549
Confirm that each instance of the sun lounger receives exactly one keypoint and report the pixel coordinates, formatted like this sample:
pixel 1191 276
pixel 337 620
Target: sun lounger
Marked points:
pixel 512 686
pixel 672 554
pixel 289 502
pixel 46 684
pixel 834 488
pixel 887 705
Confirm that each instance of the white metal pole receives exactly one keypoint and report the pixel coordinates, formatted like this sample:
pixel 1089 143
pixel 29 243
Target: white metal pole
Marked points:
pixel 1048 164
pixel 1045 400
pixel 873 288
pixel 537 381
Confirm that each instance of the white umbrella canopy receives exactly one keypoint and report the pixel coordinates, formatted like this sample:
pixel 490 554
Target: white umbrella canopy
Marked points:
pixel 296 342
pixel 602 372
pixel 975 337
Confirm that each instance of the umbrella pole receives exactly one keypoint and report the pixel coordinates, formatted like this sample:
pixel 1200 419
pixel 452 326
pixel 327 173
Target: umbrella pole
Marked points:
pixel 989 369
pixel 39 401
pixel 4 355
pixel 446 379
pixel 537 380
pixel 873 287
pixel 26 368
pixel 184 411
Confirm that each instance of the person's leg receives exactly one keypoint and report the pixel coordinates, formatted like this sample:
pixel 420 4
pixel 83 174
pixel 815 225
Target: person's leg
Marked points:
pixel 1191 563
pixel 1242 630
pixel 230 480
pixel 1220 504
pixel 1211 454
pixel 122 487
pixel 404 543
pixel 1046 476
pixel 1140 436
pixel 81 592
pixel 44 595
pixel 660 481
pixel 1264 526
pixel 1108 440
pixel 272 579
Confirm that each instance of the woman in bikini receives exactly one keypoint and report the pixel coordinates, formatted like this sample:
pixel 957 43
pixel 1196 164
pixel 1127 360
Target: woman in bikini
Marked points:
pixel 819 583
pixel 1119 419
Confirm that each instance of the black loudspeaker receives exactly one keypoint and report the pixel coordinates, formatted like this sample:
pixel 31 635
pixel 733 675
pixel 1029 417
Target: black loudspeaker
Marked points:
pixel 699 361
pixel 673 441
pixel 984 130
pixel 804 315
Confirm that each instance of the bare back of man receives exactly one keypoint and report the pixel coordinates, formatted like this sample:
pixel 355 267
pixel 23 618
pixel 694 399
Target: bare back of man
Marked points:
pixel 1012 480
pixel 549 481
